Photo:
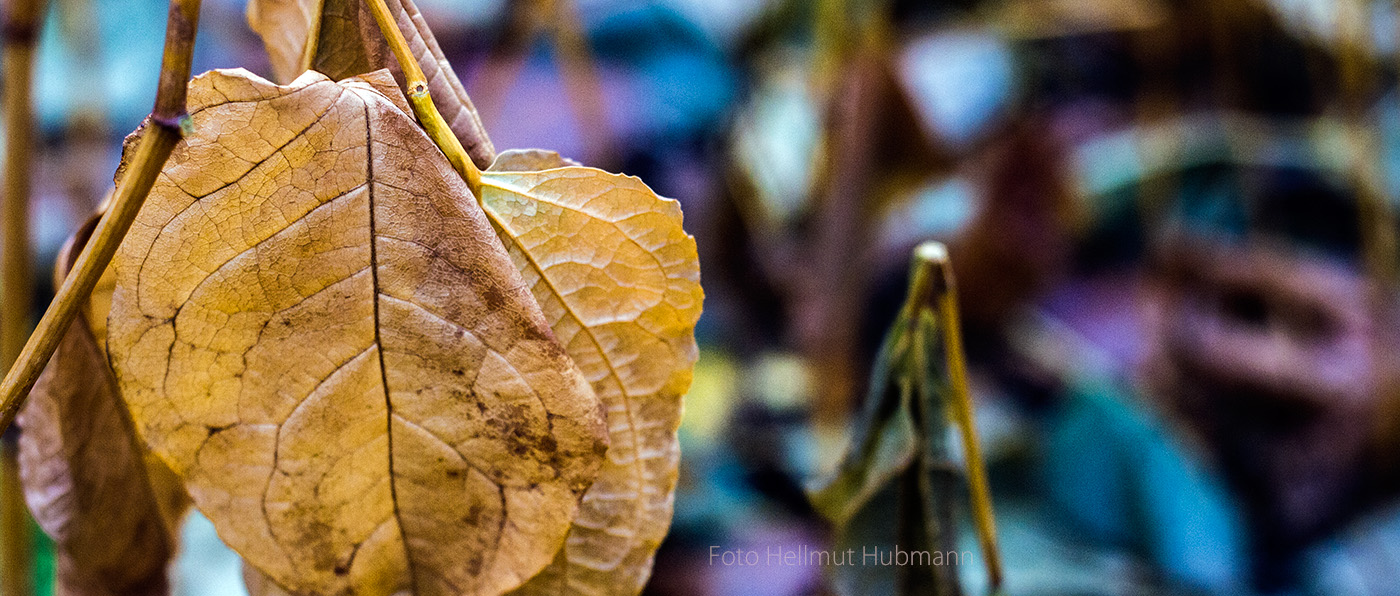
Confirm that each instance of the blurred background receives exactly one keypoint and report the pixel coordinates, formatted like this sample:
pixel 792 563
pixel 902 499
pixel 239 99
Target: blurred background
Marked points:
pixel 1172 222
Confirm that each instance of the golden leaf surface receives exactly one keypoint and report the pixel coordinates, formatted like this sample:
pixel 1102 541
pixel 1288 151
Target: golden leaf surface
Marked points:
pixel 349 43
pixel 258 584
pixel 619 280
pixel 316 327
pixel 110 508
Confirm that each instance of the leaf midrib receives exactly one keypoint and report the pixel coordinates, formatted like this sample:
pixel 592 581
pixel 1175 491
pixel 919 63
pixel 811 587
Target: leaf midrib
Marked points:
pixel 379 343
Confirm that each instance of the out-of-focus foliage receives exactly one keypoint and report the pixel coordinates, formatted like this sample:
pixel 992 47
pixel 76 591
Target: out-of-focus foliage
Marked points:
pixel 895 488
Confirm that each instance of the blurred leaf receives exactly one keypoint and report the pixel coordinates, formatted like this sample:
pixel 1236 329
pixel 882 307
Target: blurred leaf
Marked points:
pixel 259 584
pixel 530 160
pixel 111 509
pixel 1043 19
pixel 885 444
pixel 315 326
pixel 895 486
pixel 788 141
pixel 612 267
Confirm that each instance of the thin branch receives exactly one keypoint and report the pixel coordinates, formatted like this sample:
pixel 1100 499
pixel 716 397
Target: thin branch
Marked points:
pixel 422 101
pixel 180 27
pixel 167 121
pixel 15 525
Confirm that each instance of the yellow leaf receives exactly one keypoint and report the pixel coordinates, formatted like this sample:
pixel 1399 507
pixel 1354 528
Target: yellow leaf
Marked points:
pixel 619 279
pixel 530 160
pixel 258 584
pixel 348 43
pixel 316 328
pixel 111 510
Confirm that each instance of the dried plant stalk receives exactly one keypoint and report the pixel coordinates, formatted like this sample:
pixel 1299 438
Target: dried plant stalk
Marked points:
pixel 21 29
pixel 154 146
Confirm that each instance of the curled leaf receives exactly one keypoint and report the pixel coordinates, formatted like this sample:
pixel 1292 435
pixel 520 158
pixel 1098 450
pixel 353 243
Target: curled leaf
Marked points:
pixel 896 485
pixel 615 272
pixel 284 26
pixel 347 42
pixel 315 326
pixel 110 509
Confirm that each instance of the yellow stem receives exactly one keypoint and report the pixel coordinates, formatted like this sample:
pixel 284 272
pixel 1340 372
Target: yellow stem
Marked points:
pixel 167 119
pixel 931 254
pixel 155 146
pixel 422 101
pixel 19 151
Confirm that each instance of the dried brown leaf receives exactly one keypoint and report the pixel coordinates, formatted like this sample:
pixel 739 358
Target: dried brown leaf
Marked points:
pixel 349 43
pixel 612 267
pixel 284 26
pixel 260 585
pixel 111 510
pixel 315 326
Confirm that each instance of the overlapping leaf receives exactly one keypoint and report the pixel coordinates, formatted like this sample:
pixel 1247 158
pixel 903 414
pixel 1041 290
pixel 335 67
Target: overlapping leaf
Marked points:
pixel 619 280
pixel 284 26
pixel 315 326
pixel 110 509
pixel 348 43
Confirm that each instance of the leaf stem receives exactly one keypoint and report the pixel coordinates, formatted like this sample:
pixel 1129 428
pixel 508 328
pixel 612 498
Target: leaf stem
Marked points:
pixel 934 279
pixel 422 101
pixel 167 120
